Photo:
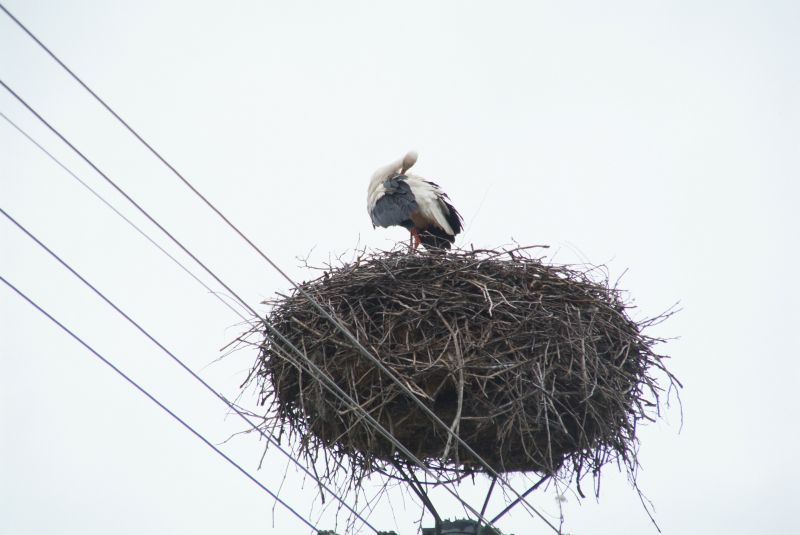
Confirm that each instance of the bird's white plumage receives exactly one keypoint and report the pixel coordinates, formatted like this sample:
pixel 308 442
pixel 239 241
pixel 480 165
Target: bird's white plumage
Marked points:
pixel 432 209
pixel 376 188
pixel 431 204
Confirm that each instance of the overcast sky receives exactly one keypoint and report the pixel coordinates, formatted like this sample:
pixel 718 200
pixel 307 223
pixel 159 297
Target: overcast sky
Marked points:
pixel 659 138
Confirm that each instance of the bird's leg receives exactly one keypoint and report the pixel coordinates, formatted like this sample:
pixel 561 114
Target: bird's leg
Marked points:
pixel 415 239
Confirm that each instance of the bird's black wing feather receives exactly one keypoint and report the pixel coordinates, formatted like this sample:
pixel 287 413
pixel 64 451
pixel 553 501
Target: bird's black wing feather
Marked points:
pixel 396 205
pixel 454 219
pixel 433 237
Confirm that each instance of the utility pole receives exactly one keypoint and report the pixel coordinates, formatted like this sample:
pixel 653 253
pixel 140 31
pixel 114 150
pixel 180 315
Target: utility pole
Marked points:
pixel 460 527
pixel 331 532
pixel 445 527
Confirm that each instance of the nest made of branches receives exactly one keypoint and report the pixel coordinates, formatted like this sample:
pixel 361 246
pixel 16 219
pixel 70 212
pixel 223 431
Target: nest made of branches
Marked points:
pixel 537 367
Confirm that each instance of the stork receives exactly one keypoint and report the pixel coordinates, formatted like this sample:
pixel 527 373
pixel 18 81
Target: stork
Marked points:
pixel 395 197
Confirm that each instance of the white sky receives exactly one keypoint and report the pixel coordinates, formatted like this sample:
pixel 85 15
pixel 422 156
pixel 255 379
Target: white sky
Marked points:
pixel 660 138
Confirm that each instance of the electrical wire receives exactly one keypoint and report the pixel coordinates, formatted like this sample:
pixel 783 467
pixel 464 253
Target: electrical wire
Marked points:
pixel 432 415
pixel 119 213
pixel 183 365
pixel 160 405
pixel 230 405
pixel 312 368
pixel 341 395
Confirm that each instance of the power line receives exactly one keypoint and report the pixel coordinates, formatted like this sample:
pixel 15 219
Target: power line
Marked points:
pixel 180 363
pixel 157 402
pixel 230 405
pixel 316 373
pixel 432 415
pixel 120 214
pixel 312 368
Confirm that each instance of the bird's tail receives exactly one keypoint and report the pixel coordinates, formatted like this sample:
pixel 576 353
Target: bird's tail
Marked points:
pixel 435 238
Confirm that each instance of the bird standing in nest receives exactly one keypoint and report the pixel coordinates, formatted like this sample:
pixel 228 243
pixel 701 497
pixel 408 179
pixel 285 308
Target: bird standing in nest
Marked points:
pixel 395 197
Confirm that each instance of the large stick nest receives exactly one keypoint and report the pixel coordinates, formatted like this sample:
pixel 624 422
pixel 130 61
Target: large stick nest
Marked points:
pixel 537 367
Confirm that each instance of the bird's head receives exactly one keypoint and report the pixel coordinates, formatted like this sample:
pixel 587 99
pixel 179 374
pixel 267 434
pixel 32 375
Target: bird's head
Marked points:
pixel 400 166
pixel 408 161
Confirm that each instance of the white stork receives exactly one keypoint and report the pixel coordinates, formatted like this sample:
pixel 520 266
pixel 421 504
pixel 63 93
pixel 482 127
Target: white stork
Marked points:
pixel 397 198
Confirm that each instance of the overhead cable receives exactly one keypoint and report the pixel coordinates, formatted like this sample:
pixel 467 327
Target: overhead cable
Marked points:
pixel 160 405
pixel 186 368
